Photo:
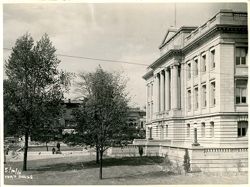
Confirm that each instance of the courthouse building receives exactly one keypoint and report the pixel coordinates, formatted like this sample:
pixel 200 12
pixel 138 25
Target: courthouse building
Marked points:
pixel 199 84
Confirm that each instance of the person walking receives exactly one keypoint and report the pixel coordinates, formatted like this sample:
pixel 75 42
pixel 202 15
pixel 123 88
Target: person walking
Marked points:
pixel 53 150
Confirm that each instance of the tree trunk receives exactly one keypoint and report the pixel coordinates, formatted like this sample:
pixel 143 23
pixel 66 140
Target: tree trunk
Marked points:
pixel 47 146
pixel 101 154
pixel 25 150
pixel 97 154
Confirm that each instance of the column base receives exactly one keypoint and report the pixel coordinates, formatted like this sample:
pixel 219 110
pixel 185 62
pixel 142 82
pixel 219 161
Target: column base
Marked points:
pixel 195 144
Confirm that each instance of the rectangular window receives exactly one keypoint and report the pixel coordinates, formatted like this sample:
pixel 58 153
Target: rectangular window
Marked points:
pixel 189 71
pixel 212 59
pixel 196 67
pixel 212 129
pixel 203 64
pixel 188 130
pixel 150 133
pixel 152 90
pixel 202 129
pixel 196 99
pixel 242 128
pixel 189 99
pixel 241 54
pixel 152 109
pixel 166 130
pixel 241 91
pixel 204 96
pixel 157 129
pixel 212 91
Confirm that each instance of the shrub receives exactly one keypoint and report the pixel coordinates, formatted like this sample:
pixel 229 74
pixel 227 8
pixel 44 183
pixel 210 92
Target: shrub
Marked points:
pixel 140 150
pixel 167 164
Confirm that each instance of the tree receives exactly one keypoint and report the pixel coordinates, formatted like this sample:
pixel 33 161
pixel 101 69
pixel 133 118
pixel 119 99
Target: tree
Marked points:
pixel 35 87
pixel 101 117
pixel 49 131
pixel 9 114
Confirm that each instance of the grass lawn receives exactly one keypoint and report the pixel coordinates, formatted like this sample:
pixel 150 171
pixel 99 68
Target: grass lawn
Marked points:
pixel 128 170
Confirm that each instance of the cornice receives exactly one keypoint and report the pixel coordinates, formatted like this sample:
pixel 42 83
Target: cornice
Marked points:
pixel 166 56
pixel 148 75
pixel 226 28
pixel 212 31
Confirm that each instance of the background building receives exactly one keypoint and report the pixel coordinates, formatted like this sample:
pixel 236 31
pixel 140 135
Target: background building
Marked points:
pixel 136 117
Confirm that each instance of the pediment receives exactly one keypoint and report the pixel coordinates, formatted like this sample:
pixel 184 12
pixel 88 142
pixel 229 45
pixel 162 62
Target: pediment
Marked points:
pixel 170 33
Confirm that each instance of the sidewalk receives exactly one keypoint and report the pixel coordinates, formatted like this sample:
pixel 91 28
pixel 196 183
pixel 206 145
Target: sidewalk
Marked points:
pixel 18 156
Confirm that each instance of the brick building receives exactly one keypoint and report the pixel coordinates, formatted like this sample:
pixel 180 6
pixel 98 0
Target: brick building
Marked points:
pixel 199 84
pixel 136 116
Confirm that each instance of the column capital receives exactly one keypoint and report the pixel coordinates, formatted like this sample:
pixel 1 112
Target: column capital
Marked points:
pixel 167 68
pixel 174 65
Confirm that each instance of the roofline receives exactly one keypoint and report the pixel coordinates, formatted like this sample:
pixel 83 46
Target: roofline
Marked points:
pixel 169 54
pixel 183 50
pixel 221 11
pixel 210 32
pixel 173 29
pixel 177 32
pixel 148 74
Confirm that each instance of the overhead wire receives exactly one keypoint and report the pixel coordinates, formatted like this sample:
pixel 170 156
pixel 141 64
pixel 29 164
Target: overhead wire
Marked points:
pixel 129 62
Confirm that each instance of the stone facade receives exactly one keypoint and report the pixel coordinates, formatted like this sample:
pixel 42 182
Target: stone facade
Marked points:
pixel 200 82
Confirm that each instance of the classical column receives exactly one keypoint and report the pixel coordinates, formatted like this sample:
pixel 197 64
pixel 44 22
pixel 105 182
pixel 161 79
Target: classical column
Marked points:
pixel 174 87
pixel 158 92
pixel 162 100
pixel 167 90
pixel 155 94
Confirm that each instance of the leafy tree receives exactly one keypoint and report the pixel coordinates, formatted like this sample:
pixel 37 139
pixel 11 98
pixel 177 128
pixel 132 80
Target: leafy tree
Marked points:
pixel 50 131
pixel 35 86
pixel 9 112
pixel 101 117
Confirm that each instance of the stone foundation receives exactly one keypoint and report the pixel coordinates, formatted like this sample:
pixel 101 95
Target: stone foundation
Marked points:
pixel 201 159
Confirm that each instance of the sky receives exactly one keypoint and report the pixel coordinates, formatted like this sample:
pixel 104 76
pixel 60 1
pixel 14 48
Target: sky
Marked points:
pixel 122 32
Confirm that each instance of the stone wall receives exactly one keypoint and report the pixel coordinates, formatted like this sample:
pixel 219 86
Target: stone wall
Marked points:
pixel 201 159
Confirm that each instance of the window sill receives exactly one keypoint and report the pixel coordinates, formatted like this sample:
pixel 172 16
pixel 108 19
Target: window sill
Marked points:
pixel 241 105
pixel 241 66
pixel 243 137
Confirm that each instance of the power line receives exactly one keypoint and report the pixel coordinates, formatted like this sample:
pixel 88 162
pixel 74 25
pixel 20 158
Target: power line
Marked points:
pixel 97 59
pixel 132 63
